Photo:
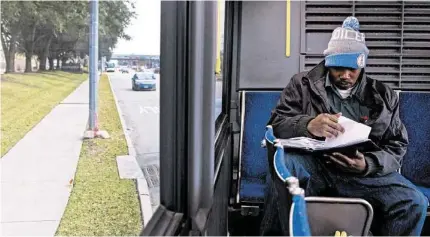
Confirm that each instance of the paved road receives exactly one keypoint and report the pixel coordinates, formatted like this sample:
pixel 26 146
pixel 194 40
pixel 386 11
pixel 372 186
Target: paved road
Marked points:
pixel 141 113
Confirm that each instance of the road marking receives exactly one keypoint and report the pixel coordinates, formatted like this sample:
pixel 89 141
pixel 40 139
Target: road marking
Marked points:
pixel 149 109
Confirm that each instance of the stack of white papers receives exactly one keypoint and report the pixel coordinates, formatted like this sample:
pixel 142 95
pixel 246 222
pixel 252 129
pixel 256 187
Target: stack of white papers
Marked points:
pixel 355 133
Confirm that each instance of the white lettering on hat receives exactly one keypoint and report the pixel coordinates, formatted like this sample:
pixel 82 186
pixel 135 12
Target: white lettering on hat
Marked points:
pixel 351 35
pixel 359 37
pixel 342 33
pixel 336 34
pixel 361 60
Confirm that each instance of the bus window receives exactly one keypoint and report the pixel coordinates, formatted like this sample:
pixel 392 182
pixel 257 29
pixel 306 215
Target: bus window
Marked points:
pixel 219 59
pixel 290 38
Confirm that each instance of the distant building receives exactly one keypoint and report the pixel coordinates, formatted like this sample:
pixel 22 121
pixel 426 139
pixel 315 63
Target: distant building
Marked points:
pixel 137 61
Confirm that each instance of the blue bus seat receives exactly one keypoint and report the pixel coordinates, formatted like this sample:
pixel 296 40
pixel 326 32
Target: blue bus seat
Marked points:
pixel 256 107
pixel 415 114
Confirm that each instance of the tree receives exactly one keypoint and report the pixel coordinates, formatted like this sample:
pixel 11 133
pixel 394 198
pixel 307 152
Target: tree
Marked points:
pixel 10 33
pixel 114 17
pixel 32 16
pixel 60 29
pixel 76 27
pixel 53 19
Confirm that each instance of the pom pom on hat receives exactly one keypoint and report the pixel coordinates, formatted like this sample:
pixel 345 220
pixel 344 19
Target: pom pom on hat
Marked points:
pixel 352 23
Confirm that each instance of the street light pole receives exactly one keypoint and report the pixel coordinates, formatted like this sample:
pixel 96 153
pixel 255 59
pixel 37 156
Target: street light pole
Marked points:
pixel 93 129
pixel 94 49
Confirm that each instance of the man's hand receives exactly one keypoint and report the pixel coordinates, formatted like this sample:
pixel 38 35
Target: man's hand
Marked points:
pixel 325 125
pixel 355 164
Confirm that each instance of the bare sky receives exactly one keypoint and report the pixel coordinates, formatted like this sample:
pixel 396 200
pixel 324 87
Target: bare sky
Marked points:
pixel 144 30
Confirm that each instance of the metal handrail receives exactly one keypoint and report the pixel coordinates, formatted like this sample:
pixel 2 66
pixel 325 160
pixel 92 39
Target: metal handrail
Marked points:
pixel 299 224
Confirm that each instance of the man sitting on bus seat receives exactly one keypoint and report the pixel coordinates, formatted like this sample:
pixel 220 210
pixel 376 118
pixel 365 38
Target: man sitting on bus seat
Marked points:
pixel 310 106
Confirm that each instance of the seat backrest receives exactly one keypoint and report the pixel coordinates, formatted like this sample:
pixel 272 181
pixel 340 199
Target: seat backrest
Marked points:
pixel 256 107
pixel 415 114
pixel 327 215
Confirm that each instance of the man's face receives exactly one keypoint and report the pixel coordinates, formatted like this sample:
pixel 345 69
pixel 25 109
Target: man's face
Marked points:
pixel 344 78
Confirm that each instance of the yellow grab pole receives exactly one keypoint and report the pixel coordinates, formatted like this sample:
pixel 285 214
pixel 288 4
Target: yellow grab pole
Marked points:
pixel 218 39
pixel 288 28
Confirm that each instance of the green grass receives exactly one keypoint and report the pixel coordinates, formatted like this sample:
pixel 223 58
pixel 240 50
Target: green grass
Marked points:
pixel 28 97
pixel 101 203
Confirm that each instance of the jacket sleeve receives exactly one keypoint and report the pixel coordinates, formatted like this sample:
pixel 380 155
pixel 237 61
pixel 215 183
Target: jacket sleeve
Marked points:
pixel 288 119
pixel 394 145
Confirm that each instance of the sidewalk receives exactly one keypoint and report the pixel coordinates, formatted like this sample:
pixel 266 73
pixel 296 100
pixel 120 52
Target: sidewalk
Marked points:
pixel 35 173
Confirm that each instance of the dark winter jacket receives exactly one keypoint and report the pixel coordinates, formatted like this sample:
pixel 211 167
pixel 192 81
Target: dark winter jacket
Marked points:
pixel 305 97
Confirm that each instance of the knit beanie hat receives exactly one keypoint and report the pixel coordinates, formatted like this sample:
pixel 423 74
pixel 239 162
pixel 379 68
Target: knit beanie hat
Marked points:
pixel 347 46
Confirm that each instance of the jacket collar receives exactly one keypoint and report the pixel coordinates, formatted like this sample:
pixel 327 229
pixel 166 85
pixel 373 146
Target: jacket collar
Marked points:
pixel 317 79
pixel 367 92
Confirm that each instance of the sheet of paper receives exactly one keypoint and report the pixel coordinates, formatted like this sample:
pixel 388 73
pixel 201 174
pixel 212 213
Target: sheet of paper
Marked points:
pixel 303 142
pixel 353 132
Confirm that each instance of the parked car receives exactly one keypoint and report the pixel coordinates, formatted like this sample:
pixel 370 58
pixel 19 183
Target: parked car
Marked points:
pixel 144 81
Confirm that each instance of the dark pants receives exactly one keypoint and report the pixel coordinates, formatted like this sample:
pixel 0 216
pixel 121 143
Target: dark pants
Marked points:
pixel 399 207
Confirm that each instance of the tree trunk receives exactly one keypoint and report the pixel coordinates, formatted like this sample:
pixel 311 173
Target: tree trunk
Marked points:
pixel 63 61
pixel 9 53
pixel 51 63
pixel 45 53
pixel 10 62
pixel 28 62
pixel 58 64
pixel 42 61
pixel 29 48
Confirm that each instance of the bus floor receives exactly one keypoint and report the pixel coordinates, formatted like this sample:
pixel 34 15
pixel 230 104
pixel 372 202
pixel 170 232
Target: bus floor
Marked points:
pixel 239 225
pixel 426 228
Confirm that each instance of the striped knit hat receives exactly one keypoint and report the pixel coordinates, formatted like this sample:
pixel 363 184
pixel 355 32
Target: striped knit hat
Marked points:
pixel 347 46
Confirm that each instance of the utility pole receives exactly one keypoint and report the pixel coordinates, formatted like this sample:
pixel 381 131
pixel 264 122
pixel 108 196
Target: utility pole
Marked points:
pixel 93 129
pixel 94 41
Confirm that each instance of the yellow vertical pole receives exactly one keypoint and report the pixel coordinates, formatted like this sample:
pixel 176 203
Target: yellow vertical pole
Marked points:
pixel 218 43
pixel 288 28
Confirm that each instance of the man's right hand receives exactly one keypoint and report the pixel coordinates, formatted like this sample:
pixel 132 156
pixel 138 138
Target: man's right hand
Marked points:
pixel 325 125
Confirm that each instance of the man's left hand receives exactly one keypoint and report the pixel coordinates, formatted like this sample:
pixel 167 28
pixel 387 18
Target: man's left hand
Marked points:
pixel 355 164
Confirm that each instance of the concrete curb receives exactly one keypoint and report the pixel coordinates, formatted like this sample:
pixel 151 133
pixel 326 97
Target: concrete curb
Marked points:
pixel 141 184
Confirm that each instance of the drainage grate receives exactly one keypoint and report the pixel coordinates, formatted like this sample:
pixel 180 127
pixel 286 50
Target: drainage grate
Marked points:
pixel 154 182
pixel 152 175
